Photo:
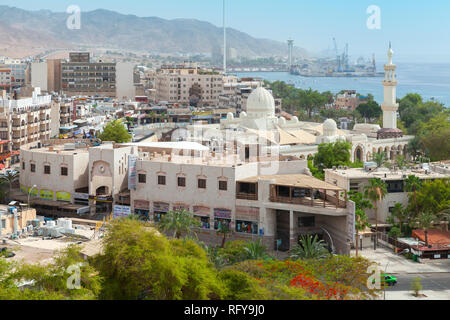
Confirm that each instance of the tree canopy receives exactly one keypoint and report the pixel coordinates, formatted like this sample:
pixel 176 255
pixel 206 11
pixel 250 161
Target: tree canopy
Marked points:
pixel 115 131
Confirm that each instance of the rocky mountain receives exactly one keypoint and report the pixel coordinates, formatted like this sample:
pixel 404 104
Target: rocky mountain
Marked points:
pixel 110 29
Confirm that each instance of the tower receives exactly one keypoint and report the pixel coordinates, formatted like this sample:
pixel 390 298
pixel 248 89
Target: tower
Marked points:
pixel 291 49
pixel 390 105
pixel 224 40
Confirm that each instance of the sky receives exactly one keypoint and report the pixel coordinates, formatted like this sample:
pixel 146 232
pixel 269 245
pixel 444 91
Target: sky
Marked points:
pixel 419 30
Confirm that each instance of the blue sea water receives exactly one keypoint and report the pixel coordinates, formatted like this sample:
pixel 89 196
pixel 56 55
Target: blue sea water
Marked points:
pixel 431 80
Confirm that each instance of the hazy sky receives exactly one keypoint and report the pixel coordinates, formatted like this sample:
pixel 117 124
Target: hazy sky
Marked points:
pixel 419 30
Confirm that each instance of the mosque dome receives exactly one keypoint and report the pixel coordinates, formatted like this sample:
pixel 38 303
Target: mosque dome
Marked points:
pixel 261 104
pixel 330 128
pixel 243 114
pixel 230 116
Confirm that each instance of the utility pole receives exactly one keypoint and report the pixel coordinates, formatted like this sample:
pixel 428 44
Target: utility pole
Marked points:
pixel 224 40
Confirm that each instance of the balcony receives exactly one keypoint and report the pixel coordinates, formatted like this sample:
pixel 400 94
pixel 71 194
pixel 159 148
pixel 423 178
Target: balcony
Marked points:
pixel 247 191
pixel 308 197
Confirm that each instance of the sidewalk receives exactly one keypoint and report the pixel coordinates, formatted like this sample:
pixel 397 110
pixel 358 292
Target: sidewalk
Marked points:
pixel 399 264
pixel 407 295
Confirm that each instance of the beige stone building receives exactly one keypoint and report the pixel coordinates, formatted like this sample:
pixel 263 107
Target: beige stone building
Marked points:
pixel 8 221
pixel 28 120
pixel 188 85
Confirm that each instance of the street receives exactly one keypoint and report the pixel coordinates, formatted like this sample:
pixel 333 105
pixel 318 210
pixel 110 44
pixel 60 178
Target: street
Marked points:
pixel 429 281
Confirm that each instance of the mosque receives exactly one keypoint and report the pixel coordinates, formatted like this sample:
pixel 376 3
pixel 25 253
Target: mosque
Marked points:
pixel 301 139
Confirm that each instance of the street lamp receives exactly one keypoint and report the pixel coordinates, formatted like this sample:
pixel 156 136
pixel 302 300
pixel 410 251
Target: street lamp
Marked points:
pixel 29 193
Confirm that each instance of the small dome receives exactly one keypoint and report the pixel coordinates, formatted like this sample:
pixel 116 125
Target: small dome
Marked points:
pixel 282 121
pixel 261 104
pixel 230 116
pixel 243 114
pixel 330 128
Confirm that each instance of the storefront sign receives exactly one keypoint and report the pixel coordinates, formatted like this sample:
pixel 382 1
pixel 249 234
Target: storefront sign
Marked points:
pixel 121 211
pixel 81 196
pixel 33 192
pixel 141 204
pixel 132 172
pixel 63 196
pixel 222 213
pixel 47 194
pixel 202 211
pixel 161 206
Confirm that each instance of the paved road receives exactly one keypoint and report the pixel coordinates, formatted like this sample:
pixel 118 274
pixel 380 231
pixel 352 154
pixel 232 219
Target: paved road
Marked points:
pixel 430 281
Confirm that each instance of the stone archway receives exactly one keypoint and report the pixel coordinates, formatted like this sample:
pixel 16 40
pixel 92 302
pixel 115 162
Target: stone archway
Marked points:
pixel 359 155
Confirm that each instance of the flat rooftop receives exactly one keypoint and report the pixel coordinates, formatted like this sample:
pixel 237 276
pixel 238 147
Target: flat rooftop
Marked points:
pixel 296 181
pixel 386 174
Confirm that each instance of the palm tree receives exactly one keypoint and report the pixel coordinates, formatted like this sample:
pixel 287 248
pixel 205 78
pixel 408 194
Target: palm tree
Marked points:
pixel 398 213
pixel 10 177
pixel 413 184
pixel 379 158
pixel 310 248
pixel 225 231
pixel 361 223
pixel 375 191
pixel 425 222
pixel 179 222
pixel 255 250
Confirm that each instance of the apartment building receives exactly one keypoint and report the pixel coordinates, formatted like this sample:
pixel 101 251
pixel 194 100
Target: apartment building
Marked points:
pixel 18 71
pixel 188 85
pixel 6 80
pixel 349 100
pixel 28 120
pixel 81 77
pixel 357 179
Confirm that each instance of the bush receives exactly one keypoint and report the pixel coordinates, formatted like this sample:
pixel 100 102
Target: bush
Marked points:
pixel 416 286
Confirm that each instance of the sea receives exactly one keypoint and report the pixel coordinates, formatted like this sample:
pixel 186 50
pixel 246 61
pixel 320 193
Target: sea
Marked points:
pixel 430 80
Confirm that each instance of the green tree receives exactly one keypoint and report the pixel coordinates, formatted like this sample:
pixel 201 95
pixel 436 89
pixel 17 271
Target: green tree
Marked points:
pixel 179 222
pixel 370 110
pixel 425 221
pixel 10 177
pixel 414 148
pixel 255 250
pixel 434 136
pixel 398 213
pixel 433 196
pixel 416 286
pixel 361 219
pixel 115 131
pixel 309 248
pixel 225 231
pixel 412 185
pixel 332 154
pixel 379 158
pixel 375 191
pixel 138 263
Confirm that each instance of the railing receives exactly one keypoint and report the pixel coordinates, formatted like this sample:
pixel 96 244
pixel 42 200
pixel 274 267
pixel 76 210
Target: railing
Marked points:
pixel 307 201
pixel 247 196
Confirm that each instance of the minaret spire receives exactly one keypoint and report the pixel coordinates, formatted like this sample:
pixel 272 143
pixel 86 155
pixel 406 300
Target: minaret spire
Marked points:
pixel 390 105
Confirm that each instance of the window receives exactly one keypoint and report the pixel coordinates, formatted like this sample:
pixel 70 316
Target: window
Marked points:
pixel 142 178
pixel 23 165
pixel 306 222
pixel 33 167
pixel 64 171
pixel 394 186
pixel 162 180
pixel 181 181
pixel 46 169
pixel 202 183
pixel 223 185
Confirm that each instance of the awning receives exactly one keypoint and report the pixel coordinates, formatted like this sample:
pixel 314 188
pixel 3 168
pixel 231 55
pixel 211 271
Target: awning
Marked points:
pixel 68 128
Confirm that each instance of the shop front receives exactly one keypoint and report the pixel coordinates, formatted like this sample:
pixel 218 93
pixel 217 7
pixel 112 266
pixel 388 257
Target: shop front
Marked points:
pixel 222 217
pixel 159 210
pixel 247 220
pixel 202 214
pixel 142 208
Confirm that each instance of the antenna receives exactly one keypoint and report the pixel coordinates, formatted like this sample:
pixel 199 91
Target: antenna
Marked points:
pixel 224 40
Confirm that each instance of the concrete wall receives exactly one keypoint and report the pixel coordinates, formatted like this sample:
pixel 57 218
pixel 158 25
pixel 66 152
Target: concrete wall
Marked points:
pixel 124 81
pixel 39 75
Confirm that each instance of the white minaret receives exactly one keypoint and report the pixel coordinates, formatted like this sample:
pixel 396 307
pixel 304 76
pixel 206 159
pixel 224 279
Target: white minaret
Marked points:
pixel 390 105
